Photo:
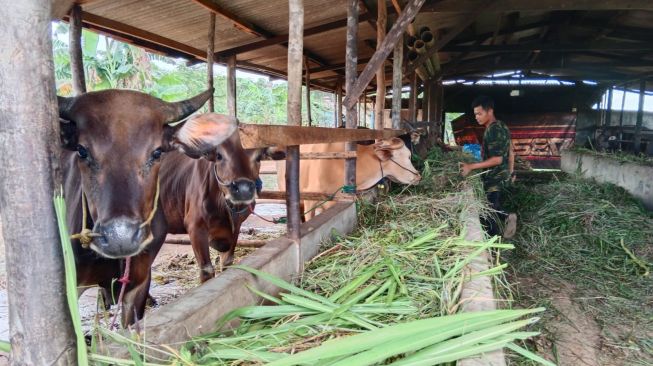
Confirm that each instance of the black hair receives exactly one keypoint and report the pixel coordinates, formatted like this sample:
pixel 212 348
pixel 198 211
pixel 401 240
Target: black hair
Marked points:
pixel 483 101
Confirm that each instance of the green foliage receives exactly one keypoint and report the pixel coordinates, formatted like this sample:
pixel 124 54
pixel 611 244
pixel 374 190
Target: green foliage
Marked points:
pixel 112 64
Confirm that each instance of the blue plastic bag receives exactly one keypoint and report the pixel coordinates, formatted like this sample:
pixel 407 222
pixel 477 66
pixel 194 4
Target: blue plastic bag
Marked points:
pixel 474 150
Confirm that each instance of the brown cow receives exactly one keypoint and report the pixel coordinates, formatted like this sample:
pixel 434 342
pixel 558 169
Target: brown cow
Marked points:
pixel 387 158
pixel 114 141
pixel 210 198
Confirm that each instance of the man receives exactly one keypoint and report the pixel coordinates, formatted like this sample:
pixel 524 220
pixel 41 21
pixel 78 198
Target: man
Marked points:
pixel 498 160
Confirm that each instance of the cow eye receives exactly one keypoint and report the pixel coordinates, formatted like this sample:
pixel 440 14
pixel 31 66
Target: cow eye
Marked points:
pixel 218 156
pixel 82 152
pixel 156 154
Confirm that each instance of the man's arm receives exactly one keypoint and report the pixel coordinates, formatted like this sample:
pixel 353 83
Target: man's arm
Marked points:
pixel 493 161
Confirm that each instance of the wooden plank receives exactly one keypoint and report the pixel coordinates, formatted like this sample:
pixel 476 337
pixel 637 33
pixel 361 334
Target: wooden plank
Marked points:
pixel 382 20
pixel 351 73
pixel 328 155
pixel 128 30
pixel 243 243
pixel 209 59
pixel 279 39
pixel 310 196
pixel 559 47
pixel 232 97
pixel 482 8
pixel 412 8
pixel 76 57
pixel 240 23
pixel 466 6
pixel 258 136
pixel 396 84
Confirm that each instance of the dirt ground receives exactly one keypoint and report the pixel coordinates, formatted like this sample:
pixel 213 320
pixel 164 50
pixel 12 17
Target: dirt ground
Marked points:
pixel 570 334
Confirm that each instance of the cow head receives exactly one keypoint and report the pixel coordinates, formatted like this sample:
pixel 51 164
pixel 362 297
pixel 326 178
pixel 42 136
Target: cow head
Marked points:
pixel 120 137
pixel 236 169
pixel 394 160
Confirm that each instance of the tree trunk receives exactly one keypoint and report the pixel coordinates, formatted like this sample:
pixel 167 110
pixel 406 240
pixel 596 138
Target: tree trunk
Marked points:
pixel 40 328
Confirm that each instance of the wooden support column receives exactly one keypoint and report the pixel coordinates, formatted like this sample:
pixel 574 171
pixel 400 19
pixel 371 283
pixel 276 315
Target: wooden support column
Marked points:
pixel 210 51
pixel 621 117
pixel 608 109
pixel 76 57
pixel 364 111
pixel 433 94
pixel 307 82
pixel 338 103
pixel 396 83
pixel 439 109
pixel 351 63
pixel 295 55
pixel 412 99
pixel 425 100
pixel 637 138
pixel 381 21
pixel 40 328
pixel 377 60
pixel 231 86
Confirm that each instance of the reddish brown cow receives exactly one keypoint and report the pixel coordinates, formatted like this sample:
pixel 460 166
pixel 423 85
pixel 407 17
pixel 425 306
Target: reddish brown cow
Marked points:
pixel 210 198
pixel 114 141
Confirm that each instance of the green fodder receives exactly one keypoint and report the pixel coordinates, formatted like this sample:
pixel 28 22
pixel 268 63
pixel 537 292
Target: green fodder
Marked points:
pixel 597 238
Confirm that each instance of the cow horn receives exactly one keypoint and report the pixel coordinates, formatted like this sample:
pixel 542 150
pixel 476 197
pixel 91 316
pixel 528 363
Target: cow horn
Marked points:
pixel 65 104
pixel 177 111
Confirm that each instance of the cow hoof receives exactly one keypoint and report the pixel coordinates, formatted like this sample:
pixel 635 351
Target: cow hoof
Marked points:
pixel 151 301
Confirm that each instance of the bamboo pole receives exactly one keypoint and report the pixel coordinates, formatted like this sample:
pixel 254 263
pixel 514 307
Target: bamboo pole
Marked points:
pixel 381 21
pixel 40 327
pixel 396 84
pixel 76 57
pixel 232 106
pixel 210 51
pixel 351 63
pixel 295 54
pixel 307 82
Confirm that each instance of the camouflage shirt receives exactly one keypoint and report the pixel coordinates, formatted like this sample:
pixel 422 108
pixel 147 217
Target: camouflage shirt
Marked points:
pixel 496 142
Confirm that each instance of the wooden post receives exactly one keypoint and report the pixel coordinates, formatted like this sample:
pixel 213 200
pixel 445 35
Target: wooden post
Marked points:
pixel 433 95
pixel 637 138
pixel 396 84
pixel 608 109
pixel 425 100
pixel 40 328
pixel 231 86
pixel 364 111
pixel 295 54
pixel 351 63
pixel 210 51
pixel 339 103
pixel 308 91
pixel 621 117
pixel 412 98
pixel 381 21
pixel 76 57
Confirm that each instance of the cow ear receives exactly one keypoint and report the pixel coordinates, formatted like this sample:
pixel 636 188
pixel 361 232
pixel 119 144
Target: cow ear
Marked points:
pixel 383 154
pixel 68 134
pixel 275 152
pixel 200 135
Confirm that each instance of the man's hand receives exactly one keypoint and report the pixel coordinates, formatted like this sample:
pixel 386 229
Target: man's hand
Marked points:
pixel 465 169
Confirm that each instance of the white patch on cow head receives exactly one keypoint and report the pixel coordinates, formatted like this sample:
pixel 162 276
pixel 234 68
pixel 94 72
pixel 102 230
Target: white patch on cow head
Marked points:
pixel 395 161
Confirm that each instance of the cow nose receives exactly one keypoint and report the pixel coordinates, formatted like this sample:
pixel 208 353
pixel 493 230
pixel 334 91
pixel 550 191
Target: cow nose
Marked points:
pixel 121 237
pixel 242 190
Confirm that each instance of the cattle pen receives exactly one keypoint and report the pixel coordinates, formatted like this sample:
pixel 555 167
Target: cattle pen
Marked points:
pixel 355 262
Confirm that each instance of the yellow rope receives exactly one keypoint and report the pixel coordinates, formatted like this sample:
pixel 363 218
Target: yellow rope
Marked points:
pixel 85 236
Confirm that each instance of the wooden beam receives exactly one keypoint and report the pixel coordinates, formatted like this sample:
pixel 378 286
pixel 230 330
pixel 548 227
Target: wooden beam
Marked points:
pixel 209 59
pixel 333 67
pixel 238 22
pixel 439 44
pixel 467 6
pixel 294 110
pixel 279 39
pixel 569 47
pixel 381 22
pixel 351 73
pixel 76 57
pixel 258 136
pixel 232 91
pixel 311 196
pixel 327 155
pixel 386 47
pixel 397 84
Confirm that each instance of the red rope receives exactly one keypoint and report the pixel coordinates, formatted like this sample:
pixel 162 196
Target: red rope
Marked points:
pixel 124 280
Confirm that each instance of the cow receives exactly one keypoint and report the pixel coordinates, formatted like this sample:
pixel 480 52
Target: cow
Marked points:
pixel 210 198
pixel 386 158
pixel 113 144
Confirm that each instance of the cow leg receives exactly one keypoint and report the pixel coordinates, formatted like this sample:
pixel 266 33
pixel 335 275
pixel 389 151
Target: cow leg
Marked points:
pixel 137 291
pixel 222 240
pixel 199 242
pixel 310 206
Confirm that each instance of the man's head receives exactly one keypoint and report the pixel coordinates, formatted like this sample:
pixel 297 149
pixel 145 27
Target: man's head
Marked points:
pixel 483 110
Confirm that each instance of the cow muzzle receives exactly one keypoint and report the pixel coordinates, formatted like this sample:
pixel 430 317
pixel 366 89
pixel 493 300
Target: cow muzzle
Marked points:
pixel 241 191
pixel 120 237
